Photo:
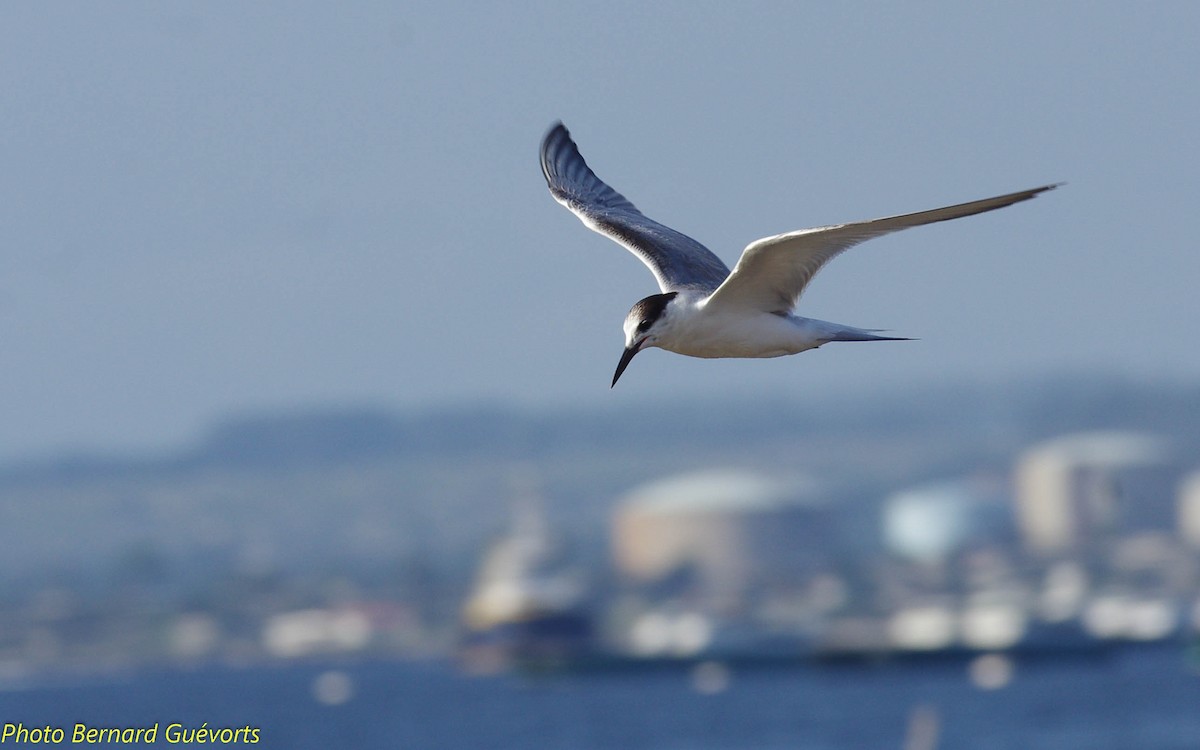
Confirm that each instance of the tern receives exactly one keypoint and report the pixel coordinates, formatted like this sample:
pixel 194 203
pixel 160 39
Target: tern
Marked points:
pixel 704 309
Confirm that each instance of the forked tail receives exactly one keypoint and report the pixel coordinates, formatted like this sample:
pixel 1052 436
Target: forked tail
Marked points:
pixel 865 334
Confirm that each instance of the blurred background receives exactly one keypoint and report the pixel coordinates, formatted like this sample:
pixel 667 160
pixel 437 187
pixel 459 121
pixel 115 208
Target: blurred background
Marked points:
pixel 306 419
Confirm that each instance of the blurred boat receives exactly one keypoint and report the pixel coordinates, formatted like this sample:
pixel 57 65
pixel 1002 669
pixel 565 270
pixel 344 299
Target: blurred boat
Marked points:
pixel 529 606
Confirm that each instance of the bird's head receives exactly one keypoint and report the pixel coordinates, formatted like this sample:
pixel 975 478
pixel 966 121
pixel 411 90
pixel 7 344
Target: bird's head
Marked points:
pixel 643 325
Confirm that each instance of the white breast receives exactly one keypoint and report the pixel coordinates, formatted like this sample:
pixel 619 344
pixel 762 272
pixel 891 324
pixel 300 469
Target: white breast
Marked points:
pixel 696 332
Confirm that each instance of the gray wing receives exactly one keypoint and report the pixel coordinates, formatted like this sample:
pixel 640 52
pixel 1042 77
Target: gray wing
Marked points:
pixel 677 261
pixel 773 271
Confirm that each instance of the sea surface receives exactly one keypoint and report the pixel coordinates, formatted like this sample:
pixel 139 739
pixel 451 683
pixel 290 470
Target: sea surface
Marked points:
pixel 1142 699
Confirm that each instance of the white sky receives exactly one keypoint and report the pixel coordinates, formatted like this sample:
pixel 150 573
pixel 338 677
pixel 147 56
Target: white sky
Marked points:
pixel 212 207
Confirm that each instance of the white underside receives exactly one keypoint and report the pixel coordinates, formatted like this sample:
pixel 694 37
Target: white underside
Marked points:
pixel 696 332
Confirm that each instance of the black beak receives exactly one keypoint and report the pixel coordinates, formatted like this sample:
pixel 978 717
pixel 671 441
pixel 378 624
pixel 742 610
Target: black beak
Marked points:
pixel 626 358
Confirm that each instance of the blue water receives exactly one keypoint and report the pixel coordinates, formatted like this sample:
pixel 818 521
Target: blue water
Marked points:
pixel 1147 699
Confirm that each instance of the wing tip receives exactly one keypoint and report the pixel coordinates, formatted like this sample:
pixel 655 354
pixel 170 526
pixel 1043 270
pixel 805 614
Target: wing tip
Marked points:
pixel 1034 192
pixel 1024 195
pixel 556 145
pixel 556 132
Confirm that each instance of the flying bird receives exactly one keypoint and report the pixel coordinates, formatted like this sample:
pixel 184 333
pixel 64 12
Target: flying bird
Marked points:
pixel 704 310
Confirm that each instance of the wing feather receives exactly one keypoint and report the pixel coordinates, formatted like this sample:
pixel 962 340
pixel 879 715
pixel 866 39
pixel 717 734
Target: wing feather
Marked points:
pixel 773 272
pixel 677 261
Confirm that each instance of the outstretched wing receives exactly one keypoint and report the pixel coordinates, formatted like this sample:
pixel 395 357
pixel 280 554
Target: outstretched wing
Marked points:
pixel 773 271
pixel 677 261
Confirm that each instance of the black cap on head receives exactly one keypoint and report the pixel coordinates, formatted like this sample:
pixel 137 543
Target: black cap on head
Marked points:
pixel 645 312
pixel 651 308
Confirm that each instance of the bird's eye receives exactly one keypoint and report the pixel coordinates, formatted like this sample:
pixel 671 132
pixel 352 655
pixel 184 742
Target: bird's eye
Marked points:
pixel 644 325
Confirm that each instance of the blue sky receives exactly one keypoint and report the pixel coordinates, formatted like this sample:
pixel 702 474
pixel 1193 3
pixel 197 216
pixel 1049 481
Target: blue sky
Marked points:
pixel 215 207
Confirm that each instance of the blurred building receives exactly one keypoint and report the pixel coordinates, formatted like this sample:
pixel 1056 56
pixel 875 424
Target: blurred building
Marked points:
pixel 1082 489
pixel 723 535
pixel 1189 509
pixel 934 521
